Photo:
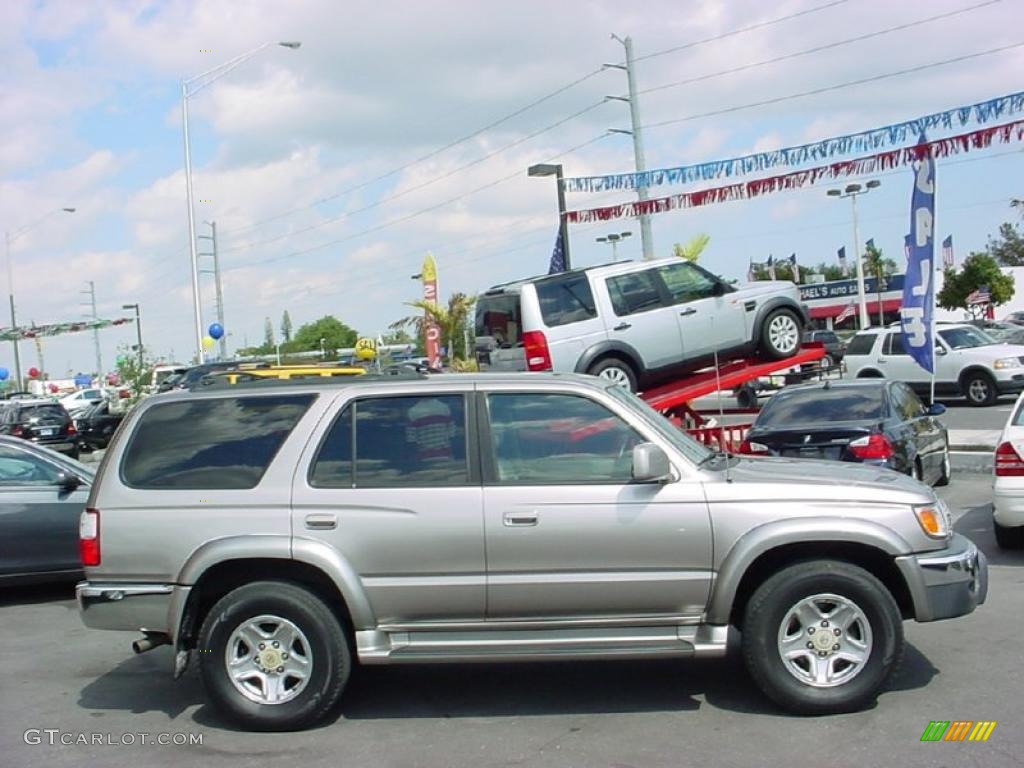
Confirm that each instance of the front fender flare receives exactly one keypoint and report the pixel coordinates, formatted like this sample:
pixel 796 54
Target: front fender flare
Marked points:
pixel 617 348
pixel 773 535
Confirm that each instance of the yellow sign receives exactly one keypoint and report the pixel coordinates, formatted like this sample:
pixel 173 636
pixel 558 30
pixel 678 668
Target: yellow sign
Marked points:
pixel 366 349
pixel 429 269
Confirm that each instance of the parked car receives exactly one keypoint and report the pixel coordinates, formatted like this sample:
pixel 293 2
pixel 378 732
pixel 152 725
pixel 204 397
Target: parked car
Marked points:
pixel 997 330
pixel 43 422
pixel 867 421
pixel 1008 481
pixel 968 362
pixel 42 495
pixel 80 401
pixel 1017 318
pixel 97 424
pixel 291 528
pixel 162 373
pixel 632 323
pixel 192 376
pixel 834 346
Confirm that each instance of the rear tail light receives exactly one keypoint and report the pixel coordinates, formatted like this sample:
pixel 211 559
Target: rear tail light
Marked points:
pixel 89 537
pixel 1008 461
pixel 538 356
pixel 753 449
pixel 874 446
pixel 17 430
pixel 71 430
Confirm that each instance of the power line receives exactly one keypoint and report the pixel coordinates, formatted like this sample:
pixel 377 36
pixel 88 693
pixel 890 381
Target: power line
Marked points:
pixel 741 30
pixel 826 89
pixel 820 48
pixel 417 187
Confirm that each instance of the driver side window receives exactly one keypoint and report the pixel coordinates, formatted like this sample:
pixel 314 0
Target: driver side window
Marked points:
pixel 542 439
pixel 687 282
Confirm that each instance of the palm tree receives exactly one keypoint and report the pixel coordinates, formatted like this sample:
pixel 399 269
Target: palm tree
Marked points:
pixel 453 321
pixel 693 248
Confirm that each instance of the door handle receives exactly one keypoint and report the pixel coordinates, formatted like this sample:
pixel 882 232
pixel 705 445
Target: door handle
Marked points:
pixel 622 326
pixel 689 311
pixel 520 519
pixel 882 362
pixel 322 522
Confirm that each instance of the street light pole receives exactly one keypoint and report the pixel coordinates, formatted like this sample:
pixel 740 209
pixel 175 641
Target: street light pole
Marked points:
pixel 614 239
pixel 555 169
pixel 138 331
pixel 8 239
pixel 201 81
pixel 852 191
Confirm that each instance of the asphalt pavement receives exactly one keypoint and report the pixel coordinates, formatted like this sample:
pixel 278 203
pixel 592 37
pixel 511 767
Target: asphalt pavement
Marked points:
pixel 87 684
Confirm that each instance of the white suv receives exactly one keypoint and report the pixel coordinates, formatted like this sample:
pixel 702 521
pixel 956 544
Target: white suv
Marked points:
pixel 968 362
pixel 632 322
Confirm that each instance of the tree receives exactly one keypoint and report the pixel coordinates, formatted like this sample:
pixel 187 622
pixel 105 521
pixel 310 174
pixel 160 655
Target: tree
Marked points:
pixel 453 320
pixel 131 374
pixel 268 336
pixel 1008 247
pixel 977 270
pixel 286 327
pixel 878 267
pixel 335 334
pixel 693 248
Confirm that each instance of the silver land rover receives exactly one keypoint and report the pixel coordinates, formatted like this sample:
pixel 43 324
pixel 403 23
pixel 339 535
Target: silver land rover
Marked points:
pixel 633 323
pixel 279 532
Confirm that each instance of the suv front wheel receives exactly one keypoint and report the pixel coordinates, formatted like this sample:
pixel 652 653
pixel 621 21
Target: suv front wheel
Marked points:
pixel 780 334
pixel 980 389
pixel 273 657
pixel 822 637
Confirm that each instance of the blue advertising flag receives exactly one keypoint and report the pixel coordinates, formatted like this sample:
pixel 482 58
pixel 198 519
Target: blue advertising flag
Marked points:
pixel 919 287
pixel 557 256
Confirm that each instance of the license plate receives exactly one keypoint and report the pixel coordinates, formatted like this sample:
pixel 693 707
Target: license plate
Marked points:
pixel 47 431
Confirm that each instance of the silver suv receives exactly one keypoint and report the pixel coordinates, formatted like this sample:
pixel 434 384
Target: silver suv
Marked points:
pixel 968 362
pixel 634 322
pixel 280 532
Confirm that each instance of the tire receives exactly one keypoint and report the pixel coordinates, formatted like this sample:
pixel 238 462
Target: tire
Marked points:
pixel 876 625
pixel 945 473
pixel 980 389
pixel 915 470
pixel 746 397
pixel 319 639
pixel 827 362
pixel 1009 537
pixel 780 334
pixel 616 371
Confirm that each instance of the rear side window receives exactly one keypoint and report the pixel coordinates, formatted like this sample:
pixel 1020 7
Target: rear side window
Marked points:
pixel 634 292
pixel 221 444
pixel 817 406
pixel 565 300
pixel 499 318
pixel 894 344
pixel 861 344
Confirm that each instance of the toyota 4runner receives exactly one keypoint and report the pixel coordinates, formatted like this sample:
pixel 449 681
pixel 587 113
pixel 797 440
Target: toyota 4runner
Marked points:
pixel 281 532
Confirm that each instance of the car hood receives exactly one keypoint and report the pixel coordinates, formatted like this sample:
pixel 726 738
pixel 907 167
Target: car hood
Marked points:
pixel 776 479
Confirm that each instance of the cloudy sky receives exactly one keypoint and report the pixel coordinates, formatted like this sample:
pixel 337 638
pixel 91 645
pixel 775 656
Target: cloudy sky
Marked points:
pixel 405 127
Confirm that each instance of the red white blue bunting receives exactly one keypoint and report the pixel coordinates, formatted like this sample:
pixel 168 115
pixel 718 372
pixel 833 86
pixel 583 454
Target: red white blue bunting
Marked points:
pixel 883 161
pixel 876 138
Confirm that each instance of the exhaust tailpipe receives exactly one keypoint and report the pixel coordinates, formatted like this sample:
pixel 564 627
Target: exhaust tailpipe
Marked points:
pixel 150 641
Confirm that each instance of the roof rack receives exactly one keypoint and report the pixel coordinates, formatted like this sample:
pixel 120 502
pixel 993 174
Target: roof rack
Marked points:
pixel 220 383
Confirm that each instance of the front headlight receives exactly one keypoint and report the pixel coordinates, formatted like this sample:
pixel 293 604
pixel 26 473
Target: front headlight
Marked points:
pixel 935 519
pixel 1006 362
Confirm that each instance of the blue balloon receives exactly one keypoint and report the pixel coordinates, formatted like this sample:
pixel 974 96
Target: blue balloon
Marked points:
pixel 4 374
pixel 215 331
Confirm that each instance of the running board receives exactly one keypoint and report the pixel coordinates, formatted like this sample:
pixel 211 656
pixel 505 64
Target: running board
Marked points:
pixel 380 647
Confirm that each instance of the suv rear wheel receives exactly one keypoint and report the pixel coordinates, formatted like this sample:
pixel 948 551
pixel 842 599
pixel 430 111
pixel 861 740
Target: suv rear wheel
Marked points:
pixel 616 371
pixel 979 388
pixel 780 334
pixel 273 657
pixel 822 637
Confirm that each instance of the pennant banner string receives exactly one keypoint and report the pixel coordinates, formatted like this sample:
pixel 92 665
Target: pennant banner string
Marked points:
pixel 876 138
pixel 953 145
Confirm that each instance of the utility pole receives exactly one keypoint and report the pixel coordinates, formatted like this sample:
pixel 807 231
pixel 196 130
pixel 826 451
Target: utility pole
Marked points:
pixel 95 332
pixel 646 239
pixel 216 278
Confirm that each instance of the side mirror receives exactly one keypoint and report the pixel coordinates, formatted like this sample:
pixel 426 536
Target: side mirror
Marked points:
pixel 67 481
pixel 718 289
pixel 940 350
pixel 650 464
pixel 936 409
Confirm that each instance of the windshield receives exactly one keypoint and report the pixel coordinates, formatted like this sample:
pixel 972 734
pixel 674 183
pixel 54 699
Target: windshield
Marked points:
pixel 689 447
pixel 965 338
pixel 819 405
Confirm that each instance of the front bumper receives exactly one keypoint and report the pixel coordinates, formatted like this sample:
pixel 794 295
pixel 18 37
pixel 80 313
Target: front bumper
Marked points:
pixel 146 607
pixel 948 582
pixel 1011 386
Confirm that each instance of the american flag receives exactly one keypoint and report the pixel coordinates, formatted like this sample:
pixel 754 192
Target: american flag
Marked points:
pixel 848 311
pixel 947 252
pixel 842 258
pixel 557 256
pixel 980 296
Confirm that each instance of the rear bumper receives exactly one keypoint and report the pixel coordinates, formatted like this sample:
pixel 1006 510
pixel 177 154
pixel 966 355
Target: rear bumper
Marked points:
pixel 1008 503
pixel 946 583
pixel 111 605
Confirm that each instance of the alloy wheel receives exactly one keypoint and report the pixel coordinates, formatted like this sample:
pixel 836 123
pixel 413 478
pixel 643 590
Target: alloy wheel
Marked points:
pixel 825 640
pixel 268 659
